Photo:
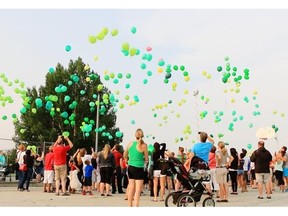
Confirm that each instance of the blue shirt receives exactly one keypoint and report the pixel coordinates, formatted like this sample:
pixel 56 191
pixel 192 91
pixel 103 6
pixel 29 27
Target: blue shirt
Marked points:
pixel 88 171
pixel 2 160
pixel 202 150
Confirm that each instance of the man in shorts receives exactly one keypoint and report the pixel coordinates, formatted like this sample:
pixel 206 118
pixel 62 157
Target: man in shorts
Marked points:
pixel 60 165
pixel 48 170
pixel 262 158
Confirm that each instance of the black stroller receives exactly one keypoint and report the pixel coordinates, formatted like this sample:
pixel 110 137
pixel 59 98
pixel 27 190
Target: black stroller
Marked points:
pixel 192 181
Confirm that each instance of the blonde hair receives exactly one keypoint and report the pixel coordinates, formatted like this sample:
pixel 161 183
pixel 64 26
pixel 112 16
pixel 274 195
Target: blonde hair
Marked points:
pixel 21 147
pixel 94 154
pixel 106 151
pixel 221 144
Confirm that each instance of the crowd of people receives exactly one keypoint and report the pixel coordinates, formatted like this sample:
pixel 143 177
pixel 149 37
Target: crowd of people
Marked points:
pixel 111 170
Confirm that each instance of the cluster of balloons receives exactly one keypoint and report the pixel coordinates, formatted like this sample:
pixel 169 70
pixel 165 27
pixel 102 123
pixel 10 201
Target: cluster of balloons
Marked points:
pixel 218 116
pixel 187 130
pixel 203 114
pixel 101 35
pixel 5 99
pixel 228 74
pixel 275 128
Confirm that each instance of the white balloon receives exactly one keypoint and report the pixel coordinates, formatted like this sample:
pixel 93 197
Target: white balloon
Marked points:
pixel 195 92
pixel 265 133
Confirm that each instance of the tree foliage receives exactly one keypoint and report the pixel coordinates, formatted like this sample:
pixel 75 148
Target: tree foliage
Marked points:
pixel 67 103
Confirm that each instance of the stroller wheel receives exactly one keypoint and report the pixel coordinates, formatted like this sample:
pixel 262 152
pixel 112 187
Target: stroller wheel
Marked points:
pixel 171 198
pixel 208 202
pixel 186 200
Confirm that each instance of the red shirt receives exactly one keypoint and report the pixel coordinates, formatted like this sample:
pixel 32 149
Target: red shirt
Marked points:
pixel 72 166
pixel 212 160
pixel 49 159
pixel 60 154
pixel 124 164
pixel 117 156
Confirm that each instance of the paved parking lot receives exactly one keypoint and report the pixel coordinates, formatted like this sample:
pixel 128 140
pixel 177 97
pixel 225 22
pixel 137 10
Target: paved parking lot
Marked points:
pixel 10 197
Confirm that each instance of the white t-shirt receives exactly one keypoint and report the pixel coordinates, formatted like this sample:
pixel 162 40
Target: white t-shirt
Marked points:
pixel 84 158
pixel 20 157
pixel 246 163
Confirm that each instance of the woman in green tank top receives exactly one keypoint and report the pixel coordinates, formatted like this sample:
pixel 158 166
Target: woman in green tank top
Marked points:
pixel 137 155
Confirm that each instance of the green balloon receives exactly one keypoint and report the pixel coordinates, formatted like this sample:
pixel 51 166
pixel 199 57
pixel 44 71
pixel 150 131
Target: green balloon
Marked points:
pixel 161 62
pixel 224 79
pixel 64 114
pixel 185 73
pixel 143 66
pixel 120 75
pixel 119 134
pixel 67 98
pixel 125 46
pixel 133 30
pixel 66 134
pixel 219 68
pixel 51 70
pixel 132 51
pixel 92 39
pixel 68 48
pixel 128 75
pixel 114 32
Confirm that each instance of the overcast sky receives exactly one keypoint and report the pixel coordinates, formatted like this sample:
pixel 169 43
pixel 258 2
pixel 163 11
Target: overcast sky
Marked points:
pixel 32 41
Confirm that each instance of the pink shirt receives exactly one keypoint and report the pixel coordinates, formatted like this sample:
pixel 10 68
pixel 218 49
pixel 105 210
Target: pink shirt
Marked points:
pixel 212 160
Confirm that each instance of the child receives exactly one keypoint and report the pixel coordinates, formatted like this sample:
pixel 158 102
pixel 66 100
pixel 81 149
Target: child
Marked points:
pixel 95 184
pixel 87 178
pixel 75 184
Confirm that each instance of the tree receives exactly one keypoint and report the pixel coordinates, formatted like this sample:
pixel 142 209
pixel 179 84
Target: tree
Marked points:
pixel 67 105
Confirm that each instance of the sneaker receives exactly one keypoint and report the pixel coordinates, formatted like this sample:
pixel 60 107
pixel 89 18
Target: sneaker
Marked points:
pixel 286 190
pixel 83 192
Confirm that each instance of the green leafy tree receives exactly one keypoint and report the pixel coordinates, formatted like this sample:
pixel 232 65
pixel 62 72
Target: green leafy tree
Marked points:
pixel 67 105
